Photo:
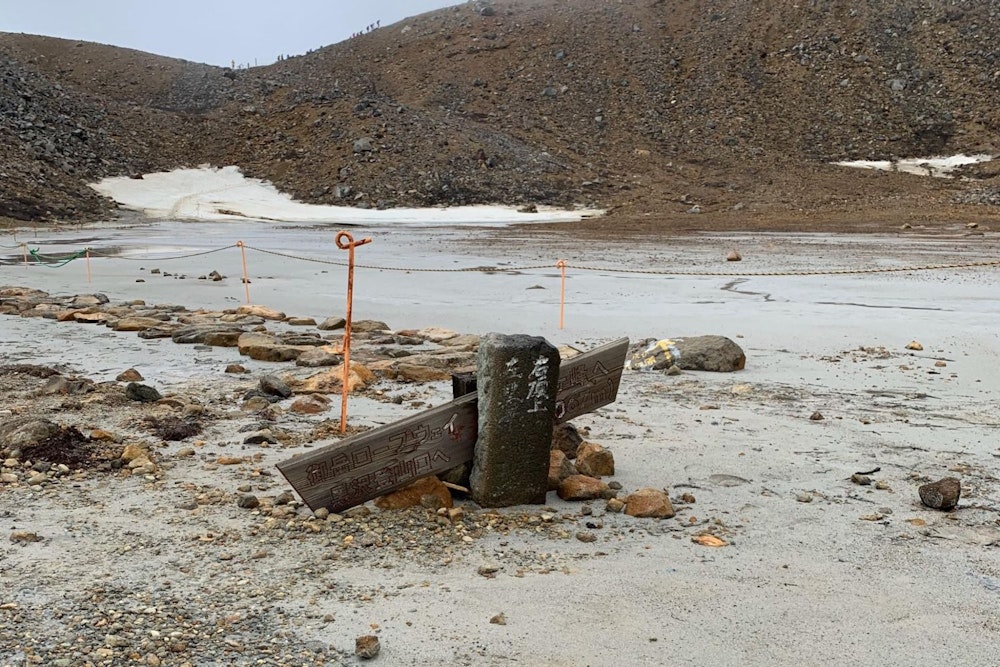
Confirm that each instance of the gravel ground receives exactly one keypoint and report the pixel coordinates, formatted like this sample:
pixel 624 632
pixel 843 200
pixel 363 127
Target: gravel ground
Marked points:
pixel 103 562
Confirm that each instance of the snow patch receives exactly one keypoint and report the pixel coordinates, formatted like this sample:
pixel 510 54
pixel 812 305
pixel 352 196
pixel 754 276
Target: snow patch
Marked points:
pixel 939 167
pixel 219 194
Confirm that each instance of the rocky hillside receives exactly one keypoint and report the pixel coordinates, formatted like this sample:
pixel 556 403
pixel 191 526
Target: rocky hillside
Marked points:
pixel 641 106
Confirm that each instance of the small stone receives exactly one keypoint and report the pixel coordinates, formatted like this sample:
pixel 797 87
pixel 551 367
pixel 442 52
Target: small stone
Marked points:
pixel 271 385
pixel 615 505
pixel 332 323
pixel 142 393
pixel 499 619
pixel 488 571
pixel 649 503
pixel 861 480
pixel 581 487
pixel 816 416
pixel 322 513
pixel 367 647
pixel 247 501
pixel 560 467
pixel 942 494
pixel 130 375
pixel 235 369
pixel 687 498
pixel 940 364
pixel 804 497
pixel 586 537
pixel 313 404
pixel 259 438
pixel 594 460
pixel 883 485
pixel 567 439
pixel 914 345
pixel 733 256
pixel 24 536
pixel 38 480
pixel 132 452
pixel 414 495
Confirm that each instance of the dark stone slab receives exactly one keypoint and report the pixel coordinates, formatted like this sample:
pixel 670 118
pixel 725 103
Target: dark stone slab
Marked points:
pixel 517 381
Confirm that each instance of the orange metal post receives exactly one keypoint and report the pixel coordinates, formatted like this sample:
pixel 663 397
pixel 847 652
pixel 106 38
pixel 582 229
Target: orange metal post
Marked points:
pixel 246 278
pixel 561 264
pixel 346 242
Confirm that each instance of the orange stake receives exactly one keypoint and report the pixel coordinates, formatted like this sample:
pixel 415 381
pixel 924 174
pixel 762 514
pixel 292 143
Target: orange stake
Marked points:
pixel 246 278
pixel 561 265
pixel 88 265
pixel 346 242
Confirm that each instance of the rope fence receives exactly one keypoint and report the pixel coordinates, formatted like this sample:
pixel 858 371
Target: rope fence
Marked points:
pixel 61 260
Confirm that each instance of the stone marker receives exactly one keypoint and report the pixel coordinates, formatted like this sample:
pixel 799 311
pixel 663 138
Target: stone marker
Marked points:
pixel 517 379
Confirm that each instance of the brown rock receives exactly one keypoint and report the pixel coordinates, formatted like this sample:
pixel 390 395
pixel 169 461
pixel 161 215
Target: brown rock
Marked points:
pixel 136 323
pixel 733 256
pixel 327 355
pixel 566 439
pixel 300 322
pixel 415 495
pixel 942 494
pixel 367 647
pixel 649 503
pixel 560 467
pixel 236 369
pixel 914 345
pixel 131 375
pixel 132 452
pixel 594 460
pixel 261 311
pixel 415 373
pixel 91 318
pixel 581 487
pixel 265 347
pixel 311 405
pixel 329 382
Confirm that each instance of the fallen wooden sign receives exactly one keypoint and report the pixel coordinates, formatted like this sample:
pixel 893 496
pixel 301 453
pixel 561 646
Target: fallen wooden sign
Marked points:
pixel 357 469
pixel 590 380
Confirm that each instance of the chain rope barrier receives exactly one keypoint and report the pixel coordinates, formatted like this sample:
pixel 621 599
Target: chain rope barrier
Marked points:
pixel 56 261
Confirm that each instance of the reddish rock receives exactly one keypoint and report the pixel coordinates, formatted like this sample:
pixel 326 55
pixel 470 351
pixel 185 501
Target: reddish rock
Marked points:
pixel 330 382
pixel 649 503
pixel 312 404
pixel 130 375
pixel 560 467
pixel 581 487
pixel 427 492
pixel 594 460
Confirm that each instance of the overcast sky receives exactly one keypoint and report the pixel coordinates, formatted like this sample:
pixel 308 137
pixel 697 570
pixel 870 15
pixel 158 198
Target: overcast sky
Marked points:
pixel 211 31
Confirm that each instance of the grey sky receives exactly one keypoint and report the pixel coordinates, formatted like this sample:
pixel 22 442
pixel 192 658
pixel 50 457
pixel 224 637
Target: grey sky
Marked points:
pixel 212 31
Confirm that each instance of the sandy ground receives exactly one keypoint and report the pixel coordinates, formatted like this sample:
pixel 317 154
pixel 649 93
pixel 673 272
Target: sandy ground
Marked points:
pixel 818 570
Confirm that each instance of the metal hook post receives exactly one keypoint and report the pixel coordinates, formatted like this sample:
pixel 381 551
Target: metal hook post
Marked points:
pixel 346 242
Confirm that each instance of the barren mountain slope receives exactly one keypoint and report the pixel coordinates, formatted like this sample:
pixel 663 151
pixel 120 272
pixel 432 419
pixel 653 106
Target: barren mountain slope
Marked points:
pixel 643 106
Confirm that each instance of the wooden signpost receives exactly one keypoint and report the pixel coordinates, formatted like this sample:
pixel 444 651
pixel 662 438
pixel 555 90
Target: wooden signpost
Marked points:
pixel 365 466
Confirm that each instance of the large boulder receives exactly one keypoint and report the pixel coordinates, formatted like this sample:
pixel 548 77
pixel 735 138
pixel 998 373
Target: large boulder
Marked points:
pixel 694 353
